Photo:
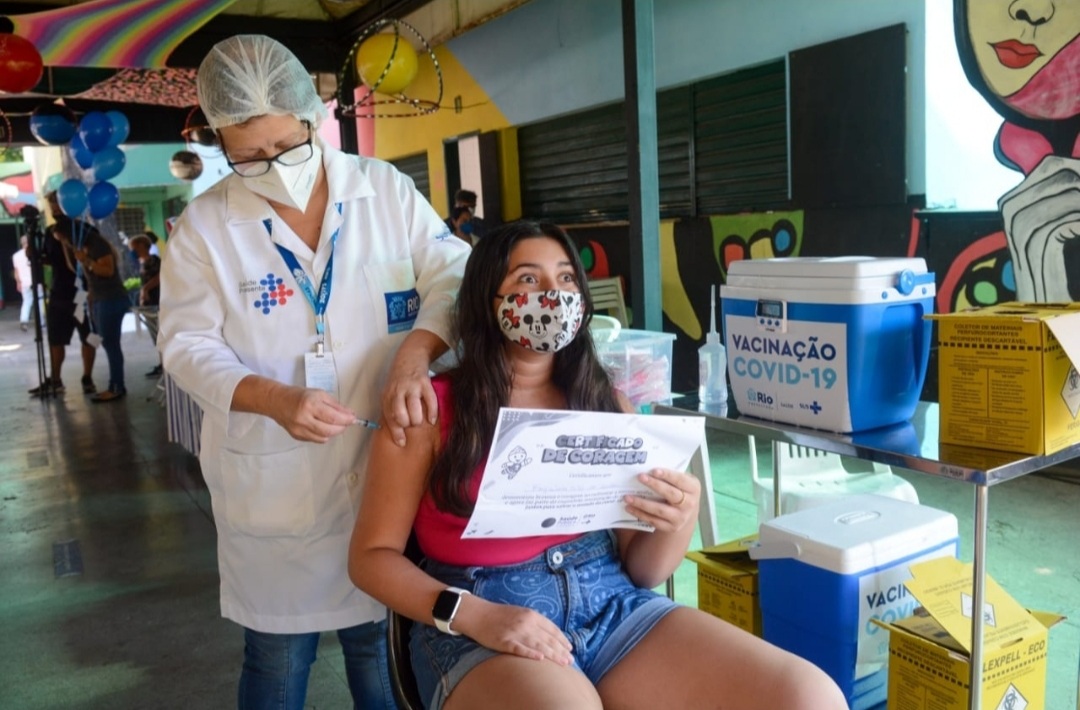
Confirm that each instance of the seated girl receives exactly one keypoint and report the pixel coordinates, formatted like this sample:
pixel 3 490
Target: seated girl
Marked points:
pixel 552 621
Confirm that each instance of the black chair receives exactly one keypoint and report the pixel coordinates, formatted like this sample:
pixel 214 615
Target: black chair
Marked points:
pixel 397 647
pixel 401 673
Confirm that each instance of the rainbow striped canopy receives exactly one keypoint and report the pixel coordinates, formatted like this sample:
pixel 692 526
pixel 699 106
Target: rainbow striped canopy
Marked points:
pixel 115 33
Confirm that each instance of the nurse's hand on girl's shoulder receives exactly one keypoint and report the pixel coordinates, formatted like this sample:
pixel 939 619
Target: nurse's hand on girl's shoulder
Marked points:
pixel 311 414
pixel 409 399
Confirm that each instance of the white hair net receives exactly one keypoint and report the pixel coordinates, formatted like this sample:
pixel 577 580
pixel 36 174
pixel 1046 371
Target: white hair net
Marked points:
pixel 253 75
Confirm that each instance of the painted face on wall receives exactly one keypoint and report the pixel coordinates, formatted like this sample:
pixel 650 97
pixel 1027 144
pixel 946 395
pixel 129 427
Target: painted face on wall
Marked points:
pixel 1014 39
pixel 1026 53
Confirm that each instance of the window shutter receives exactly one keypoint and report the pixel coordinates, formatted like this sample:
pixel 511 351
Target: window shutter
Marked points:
pixel 740 140
pixel 416 167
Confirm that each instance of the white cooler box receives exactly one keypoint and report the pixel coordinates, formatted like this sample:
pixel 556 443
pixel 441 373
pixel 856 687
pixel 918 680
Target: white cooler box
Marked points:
pixel 836 343
pixel 825 572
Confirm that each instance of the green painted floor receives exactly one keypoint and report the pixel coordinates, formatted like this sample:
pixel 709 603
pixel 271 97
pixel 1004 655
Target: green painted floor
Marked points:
pixel 139 627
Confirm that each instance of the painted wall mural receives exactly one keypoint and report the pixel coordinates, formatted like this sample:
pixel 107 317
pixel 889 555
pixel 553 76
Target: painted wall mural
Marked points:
pixel 696 253
pixel 595 259
pixel 16 191
pixel 981 275
pixel 1023 56
pixel 756 236
pixel 969 254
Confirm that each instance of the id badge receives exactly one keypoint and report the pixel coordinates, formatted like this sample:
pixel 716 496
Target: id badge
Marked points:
pixel 320 373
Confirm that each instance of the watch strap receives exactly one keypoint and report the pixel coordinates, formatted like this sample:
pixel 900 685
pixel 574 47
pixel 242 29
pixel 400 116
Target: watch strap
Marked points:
pixel 443 624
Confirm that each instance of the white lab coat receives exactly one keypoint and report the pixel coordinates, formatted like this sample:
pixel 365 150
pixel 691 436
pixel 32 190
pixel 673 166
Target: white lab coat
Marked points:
pixel 285 509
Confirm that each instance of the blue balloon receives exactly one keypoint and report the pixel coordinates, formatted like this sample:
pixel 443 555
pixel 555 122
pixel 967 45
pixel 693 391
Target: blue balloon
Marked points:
pixel 121 128
pixel 52 124
pixel 103 199
pixel 82 155
pixel 108 163
pixel 72 197
pixel 95 129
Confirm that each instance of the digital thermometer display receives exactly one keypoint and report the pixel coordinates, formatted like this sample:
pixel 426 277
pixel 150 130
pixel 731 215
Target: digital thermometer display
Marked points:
pixel 770 309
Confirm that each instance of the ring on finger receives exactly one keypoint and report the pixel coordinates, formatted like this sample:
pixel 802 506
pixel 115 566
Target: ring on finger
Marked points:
pixel 682 497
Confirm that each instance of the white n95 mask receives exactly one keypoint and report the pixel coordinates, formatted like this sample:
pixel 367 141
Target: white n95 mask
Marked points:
pixel 291 185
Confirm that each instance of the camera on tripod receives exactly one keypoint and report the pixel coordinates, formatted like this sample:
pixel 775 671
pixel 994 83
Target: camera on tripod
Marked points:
pixel 35 238
pixel 31 218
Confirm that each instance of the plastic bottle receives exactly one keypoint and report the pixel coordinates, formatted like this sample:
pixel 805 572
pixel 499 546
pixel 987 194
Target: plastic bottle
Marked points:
pixel 712 364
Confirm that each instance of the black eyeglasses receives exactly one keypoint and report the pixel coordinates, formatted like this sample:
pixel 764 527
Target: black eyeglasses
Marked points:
pixel 296 155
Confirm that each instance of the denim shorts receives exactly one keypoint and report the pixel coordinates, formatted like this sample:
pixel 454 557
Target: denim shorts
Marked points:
pixel 580 585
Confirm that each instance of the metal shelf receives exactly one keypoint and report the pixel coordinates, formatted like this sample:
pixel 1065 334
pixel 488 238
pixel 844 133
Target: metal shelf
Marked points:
pixel 911 445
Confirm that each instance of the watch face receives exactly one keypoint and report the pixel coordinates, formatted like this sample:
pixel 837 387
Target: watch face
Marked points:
pixel 445 605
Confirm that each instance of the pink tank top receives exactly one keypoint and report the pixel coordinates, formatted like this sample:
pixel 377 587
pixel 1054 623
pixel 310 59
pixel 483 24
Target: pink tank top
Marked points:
pixel 439 533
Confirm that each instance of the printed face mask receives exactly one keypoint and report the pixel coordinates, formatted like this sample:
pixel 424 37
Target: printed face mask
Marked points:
pixel 545 321
pixel 288 184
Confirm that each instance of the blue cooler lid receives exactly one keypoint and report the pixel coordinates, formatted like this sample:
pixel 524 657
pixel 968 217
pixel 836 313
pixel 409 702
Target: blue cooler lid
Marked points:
pixel 831 273
pixel 855 533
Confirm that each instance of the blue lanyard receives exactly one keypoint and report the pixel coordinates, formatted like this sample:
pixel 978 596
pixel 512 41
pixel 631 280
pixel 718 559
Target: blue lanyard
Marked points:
pixel 78 238
pixel 318 300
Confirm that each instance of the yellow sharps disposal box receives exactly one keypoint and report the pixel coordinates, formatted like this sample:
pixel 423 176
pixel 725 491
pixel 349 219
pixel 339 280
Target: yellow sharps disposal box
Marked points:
pixel 1007 376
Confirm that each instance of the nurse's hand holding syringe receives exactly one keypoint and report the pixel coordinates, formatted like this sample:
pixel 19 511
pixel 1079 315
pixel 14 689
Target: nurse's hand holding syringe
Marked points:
pixel 308 414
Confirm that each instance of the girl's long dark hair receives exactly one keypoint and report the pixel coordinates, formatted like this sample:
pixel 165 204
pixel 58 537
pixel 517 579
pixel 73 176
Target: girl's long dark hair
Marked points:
pixel 481 383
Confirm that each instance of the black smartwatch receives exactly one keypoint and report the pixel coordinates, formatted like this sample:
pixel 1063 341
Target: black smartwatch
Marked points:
pixel 445 609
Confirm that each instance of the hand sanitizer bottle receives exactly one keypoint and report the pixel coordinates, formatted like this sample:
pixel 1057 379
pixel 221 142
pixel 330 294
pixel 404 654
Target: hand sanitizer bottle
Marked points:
pixel 712 364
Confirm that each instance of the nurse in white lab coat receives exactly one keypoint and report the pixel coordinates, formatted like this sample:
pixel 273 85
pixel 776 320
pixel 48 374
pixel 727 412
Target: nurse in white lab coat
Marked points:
pixel 297 292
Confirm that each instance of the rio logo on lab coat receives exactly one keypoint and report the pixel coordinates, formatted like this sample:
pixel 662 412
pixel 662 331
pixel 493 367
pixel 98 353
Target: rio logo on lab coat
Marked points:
pixel 402 308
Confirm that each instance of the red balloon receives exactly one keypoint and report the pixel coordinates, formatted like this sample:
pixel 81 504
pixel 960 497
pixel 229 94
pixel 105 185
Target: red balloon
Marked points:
pixel 20 64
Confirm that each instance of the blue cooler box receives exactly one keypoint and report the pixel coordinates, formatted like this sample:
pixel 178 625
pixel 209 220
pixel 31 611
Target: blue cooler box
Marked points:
pixel 825 572
pixel 835 343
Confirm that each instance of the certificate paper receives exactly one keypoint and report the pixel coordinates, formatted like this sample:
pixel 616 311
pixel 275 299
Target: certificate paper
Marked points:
pixel 554 472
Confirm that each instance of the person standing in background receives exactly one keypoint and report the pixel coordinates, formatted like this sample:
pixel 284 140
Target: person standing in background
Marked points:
pixel 467 199
pixel 64 312
pixel 150 287
pixel 154 238
pixel 109 303
pixel 149 270
pixel 459 225
pixel 24 283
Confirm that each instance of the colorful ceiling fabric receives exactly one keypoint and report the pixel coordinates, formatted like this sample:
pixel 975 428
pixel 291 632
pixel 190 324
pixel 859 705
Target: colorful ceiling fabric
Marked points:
pixel 115 33
pixel 159 87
